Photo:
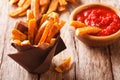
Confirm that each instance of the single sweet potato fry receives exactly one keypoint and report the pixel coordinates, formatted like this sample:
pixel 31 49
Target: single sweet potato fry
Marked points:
pixel 62 8
pixel 56 17
pixel 30 15
pixel 44 17
pixel 64 66
pixel 17 35
pixel 44 2
pixel 77 24
pixel 13 1
pixel 32 29
pixel 62 2
pixel 22 14
pixel 51 34
pixel 19 10
pixel 53 6
pixel 87 30
pixel 46 31
pixel 21 2
pixel 35 7
pixel 52 41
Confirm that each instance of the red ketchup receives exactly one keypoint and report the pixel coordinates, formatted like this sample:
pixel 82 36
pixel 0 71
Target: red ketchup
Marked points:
pixel 101 17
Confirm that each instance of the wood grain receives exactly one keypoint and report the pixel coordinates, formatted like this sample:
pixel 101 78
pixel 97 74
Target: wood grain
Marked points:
pixel 88 63
pixel 9 69
pixel 115 58
pixel 93 63
pixel 115 48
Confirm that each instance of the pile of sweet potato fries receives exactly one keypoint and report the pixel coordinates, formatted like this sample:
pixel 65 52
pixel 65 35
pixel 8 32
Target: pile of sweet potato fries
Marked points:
pixel 38 7
pixel 41 35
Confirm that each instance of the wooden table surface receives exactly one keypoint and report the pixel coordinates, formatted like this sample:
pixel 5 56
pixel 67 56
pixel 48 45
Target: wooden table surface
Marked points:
pixel 89 63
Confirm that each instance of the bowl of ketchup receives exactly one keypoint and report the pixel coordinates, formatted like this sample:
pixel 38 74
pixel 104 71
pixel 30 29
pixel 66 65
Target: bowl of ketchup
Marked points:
pixel 103 16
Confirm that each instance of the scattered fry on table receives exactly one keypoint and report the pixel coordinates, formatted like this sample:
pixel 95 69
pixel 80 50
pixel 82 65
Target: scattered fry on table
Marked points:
pixel 19 10
pixel 38 7
pixel 64 66
pixel 17 35
pixel 87 30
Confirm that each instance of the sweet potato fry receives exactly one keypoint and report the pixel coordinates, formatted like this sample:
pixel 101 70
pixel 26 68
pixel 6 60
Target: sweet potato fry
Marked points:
pixel 35 7
pixel 17 35
pixel 44 2
pixel 44 17
pixel 22 14
pixel 59 25
pixel 21 2
pixel 54 15
pixel 54 30
pixel 19 10
pixel 62 8
pixel 64 66
pixel 62 2
pixel 53 6
pixel 17 42
pixel 43 9
pixel 51 34
pixel 77 24
pixel 13 1
pixel 32 29
pixel 30 15
pixel 87 30
pixel 40 32
pixel 46 31
pixel 52 41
